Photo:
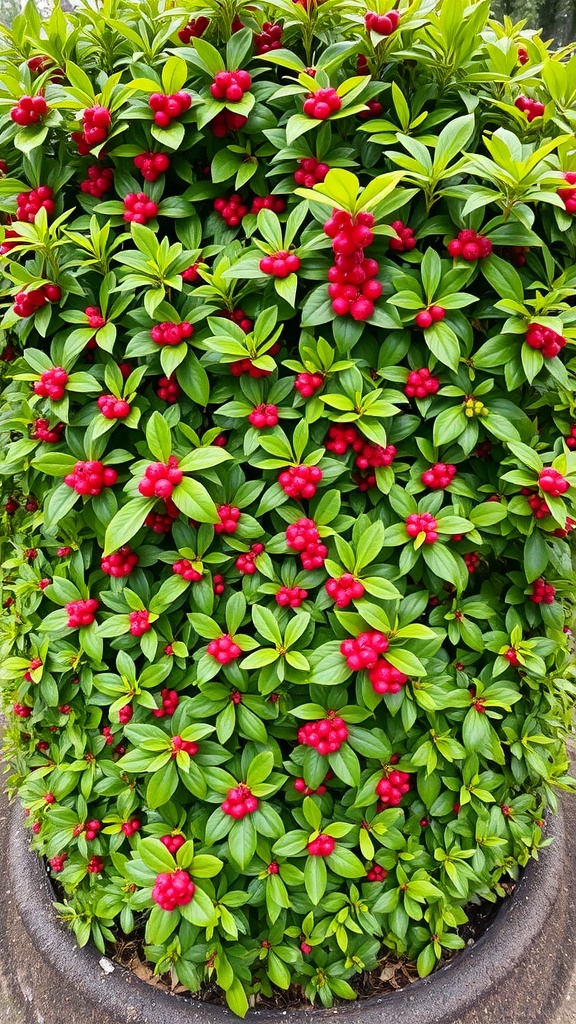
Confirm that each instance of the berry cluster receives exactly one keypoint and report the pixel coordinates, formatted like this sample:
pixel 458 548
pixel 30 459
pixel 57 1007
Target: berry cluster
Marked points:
pixel 547 341
pixel 280 264
pixel 99 181
pixel 160 479
pixel 58 862
pixel 125 714
pixel 405 239
pixel 26 303
pixel 538 505
pixel 542 592
pixel 246 562
pixel 152 165
pixel 230 86
pixel 532 108
pixel 52 384
pixel 95 865
pixel 171 334
pixel 227 121
pixel 421 383
pixel 352 288
pixel 81 613
pixel 238 316
pixel 241 366
pixel 192 273
pixel 229 518
pixel 186 570
pixel 170 701
pixel 322 846
pixel 264 416
pixel 373 109
pixel 168 107
pixel 92 829
pixel 270 38
pixel 472 561
pixel 95 318
pixel 90 477
pixel 568 195
pixel 239 802
pixel 120 564
pixel 439 476
pixel 232 210
pixel 511 656
pixel 308 383
pixel 344 590
pixel 376 874
pixel 301 787
pixel 29 110
pixel 162 523
pixel 173 843
pixel 422 523
pixel 139 622
pixel 385 678
pixel 10 241
pixel 173 889
pixel 218 584
pixel 195 28
pixel 21 710
pixel 95 124
pixel 139 208
pixel 113 408
pixel 168 389
pixel 274 203
pixel 224 649
pixel 340 439
pixel 552 482
pixel 300 481
pixel 131 826
pixel 470 246
pixel 290 597
pixel 392 787
pixel 523 56
pixel 383 24
pixel 322 103
pixel 432 315
pixel 187 746
pixel 326 735
pixel 372 456
pixel 28 204
pixel 303 537
pixel 311 172
pixel 363 652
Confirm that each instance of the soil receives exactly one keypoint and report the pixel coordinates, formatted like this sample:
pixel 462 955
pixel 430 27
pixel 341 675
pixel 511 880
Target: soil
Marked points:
pixel 391 974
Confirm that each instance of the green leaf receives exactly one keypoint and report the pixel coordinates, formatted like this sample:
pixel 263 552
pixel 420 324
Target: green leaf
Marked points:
pixel 192 498
pixel 174 75
pixel 536 556
pixel 127 522
pixel 315 878
pixel 158 437
pixel 242 842
pixel 155 855
pixel 162 785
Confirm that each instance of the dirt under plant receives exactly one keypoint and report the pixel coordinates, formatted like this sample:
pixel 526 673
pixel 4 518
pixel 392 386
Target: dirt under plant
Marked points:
pixel 391 974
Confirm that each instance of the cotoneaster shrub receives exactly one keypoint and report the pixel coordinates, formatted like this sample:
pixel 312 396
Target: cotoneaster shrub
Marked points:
pixel 288 457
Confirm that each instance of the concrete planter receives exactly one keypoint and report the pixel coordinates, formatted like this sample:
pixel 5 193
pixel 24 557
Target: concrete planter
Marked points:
pixel 517 973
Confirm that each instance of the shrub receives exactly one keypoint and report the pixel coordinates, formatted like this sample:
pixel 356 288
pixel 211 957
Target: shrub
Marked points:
pixel 288 462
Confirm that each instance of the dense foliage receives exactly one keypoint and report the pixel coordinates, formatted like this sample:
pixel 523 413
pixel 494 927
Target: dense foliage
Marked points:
pixel 288 469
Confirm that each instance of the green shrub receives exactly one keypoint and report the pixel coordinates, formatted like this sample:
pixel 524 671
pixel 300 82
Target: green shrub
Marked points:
pixel 288 467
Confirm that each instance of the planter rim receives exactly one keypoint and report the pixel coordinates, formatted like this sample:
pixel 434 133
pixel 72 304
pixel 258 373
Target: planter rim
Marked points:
pixel 452 991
